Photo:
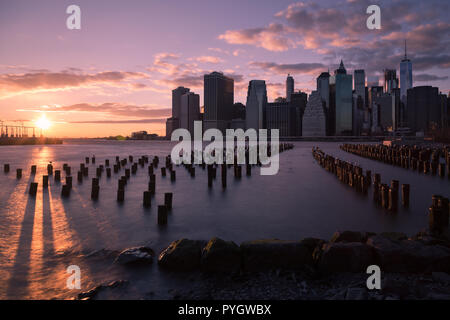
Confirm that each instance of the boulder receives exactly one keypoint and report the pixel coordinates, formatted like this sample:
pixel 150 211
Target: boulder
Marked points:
pixel 409 255
pixel 349 236
pixel 135 256
pixel 182 255
pixel 221 256
pixel 346 257
pixel 270 254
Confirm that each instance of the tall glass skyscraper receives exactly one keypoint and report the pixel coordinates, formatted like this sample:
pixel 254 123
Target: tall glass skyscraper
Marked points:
pixel 405 77
pixel 289 87
pixel 343 101
pixel 256 103
pixel 218 98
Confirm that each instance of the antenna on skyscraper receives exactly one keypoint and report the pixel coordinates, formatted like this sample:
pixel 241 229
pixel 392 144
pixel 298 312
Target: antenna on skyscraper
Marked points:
pixel 405 50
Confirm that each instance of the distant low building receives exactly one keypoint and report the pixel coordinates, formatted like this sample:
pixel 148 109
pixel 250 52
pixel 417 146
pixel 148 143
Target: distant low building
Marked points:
pixel 143 135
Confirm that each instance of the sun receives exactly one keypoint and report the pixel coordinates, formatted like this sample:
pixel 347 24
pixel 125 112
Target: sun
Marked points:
pixel 43 123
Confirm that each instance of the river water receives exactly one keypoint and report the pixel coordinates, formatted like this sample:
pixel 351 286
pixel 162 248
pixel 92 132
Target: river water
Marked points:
pixel 40 237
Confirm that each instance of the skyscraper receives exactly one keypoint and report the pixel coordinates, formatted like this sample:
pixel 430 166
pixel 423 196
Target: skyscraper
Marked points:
pixel 173 123
pixel 289 87
pixel 360 84
pixel 298 104
pixel 323 87
pixel 176 100
pixel 390 80
pixel 219 99
pixel 423 108
pixel 314 119
pixel 405 77
pixel 256 102
pixel 343 101
pixel 189 111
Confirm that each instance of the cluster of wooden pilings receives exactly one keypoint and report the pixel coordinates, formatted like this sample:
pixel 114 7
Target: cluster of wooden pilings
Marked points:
pixel 129 168
pixel 198 160
pixel 420 159
pixel 354 176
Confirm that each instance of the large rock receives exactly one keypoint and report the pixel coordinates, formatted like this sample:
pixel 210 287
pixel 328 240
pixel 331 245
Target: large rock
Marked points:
pixel 349 236
pixel 221 256
pixel 346 257
pixel 409 255
pixel 182 255
pixel 273 254
pixel 135 256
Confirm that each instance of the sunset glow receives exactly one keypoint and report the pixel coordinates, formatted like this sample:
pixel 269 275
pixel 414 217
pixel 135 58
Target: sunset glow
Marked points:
pixel 43 123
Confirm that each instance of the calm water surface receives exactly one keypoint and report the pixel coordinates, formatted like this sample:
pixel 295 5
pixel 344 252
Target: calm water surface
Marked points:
pixel 40 237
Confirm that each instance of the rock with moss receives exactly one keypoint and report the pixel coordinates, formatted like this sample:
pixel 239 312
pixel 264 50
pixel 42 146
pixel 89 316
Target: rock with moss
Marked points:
pixel 221 256
pixel 182 255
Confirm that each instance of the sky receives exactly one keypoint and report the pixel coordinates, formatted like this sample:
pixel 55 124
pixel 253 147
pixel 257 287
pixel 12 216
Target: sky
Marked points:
pixel 115 75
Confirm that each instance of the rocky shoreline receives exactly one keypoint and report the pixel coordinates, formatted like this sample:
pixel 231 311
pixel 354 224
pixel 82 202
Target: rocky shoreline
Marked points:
pixel 416 267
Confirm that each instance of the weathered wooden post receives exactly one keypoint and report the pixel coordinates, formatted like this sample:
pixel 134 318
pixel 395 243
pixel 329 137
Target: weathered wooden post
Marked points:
pixel 120 195
pixel 65 190
pixel 19 173
pixel 50 169
pixel 163 171
pixel 33 169
pixel 172 175
pixel 224 175
pixel 405 195
pixel 57 175
pixel 69 182
pixel 147 199
pixel 95 191
pixel 393 199
pixel 168 196
pixel 6 168
pixel 385 196
pixel 45 181
pixel 162 215
pixel 33 188
pixel 438 216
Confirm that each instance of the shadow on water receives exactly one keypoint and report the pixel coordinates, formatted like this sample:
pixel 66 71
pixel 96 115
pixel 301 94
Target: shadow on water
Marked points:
pixel 17 285
pixel 47 228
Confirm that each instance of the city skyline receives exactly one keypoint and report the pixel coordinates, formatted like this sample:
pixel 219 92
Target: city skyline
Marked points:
pixel 115 77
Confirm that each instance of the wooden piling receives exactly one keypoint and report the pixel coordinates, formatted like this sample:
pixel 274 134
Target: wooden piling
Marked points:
pixel 45 181
pixel 120 195
pixel 147 199
pixel 162 215
pixel 168 196
pixel 405 195
pixel 19 173
pixel 33 188
pixel 57 175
